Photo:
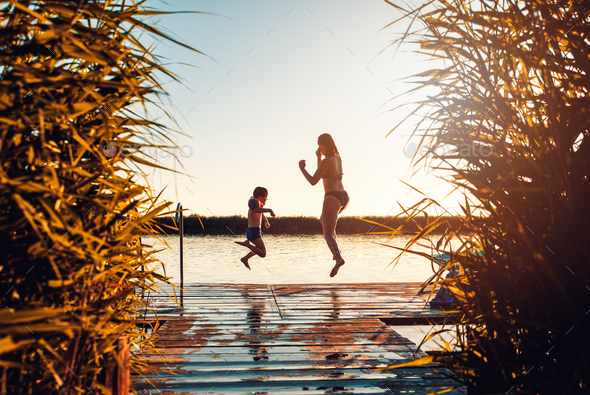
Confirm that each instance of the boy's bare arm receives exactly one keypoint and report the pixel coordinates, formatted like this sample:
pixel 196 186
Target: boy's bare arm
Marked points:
pixel 264 210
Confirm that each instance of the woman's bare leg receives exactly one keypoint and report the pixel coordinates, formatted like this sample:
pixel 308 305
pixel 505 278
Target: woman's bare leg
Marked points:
pixel 322 223
pixel 329 219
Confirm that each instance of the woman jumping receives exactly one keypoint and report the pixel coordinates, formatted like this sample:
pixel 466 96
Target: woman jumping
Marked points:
pixel 335 199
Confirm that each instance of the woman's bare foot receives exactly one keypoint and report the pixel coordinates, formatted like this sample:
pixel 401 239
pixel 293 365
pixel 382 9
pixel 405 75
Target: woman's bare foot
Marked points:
pixel 243 243
pixel 336 267
pixel 245 261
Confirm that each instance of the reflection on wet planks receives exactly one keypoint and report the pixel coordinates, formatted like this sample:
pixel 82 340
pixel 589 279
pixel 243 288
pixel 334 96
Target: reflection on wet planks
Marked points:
pixel 309 339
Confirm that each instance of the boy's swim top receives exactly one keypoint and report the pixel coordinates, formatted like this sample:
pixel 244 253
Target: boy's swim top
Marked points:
pixel 254 203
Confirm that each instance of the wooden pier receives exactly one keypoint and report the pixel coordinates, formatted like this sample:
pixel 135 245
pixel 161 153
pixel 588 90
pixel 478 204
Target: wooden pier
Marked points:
pixel 292 339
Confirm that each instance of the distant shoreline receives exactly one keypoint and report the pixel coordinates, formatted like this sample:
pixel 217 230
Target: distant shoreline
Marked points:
pixel 237 225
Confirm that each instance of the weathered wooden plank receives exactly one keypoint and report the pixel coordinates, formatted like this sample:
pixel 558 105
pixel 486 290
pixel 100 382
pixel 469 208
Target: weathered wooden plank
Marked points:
pixel 349 287
pixel 180 375
pixel 305 352
pixel 294 313
pixel 261 366
pixel 273 330
pixel 262 342
pixel 210 360
pixel 366 387
pixel 299 317
pixel 229 319
pixel 358 310
pixel 309 351
pixel 322 301
pixel 317 304
pixel 196 321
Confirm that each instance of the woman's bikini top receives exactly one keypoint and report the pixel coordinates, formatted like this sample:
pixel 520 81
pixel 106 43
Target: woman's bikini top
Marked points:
pixel 338 176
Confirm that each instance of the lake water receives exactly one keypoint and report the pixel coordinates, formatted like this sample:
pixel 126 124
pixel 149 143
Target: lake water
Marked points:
pixel 302 259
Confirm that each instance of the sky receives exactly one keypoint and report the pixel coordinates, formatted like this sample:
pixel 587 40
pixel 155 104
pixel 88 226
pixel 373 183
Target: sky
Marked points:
pixel 275 75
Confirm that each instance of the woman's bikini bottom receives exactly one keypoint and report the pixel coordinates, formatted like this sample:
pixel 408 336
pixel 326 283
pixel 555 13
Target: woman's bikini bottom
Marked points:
pixel 342 196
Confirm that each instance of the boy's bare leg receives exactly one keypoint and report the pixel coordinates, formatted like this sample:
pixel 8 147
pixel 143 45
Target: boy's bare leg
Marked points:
pixel 243 243
pixel 246 258
pixel 257 248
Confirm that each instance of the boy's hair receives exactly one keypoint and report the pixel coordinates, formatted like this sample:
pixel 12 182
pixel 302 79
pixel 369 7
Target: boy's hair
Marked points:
pixel 260 191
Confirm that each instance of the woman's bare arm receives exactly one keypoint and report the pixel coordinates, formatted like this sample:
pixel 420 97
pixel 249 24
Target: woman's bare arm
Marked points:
pixel 319 156
pixel 318 174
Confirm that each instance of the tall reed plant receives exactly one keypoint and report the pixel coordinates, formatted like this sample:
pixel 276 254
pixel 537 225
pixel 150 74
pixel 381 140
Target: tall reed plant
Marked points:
pixel 74 78
pixel 509 127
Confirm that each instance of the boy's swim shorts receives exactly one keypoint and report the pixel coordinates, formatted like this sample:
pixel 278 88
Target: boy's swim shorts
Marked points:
pixel 253 233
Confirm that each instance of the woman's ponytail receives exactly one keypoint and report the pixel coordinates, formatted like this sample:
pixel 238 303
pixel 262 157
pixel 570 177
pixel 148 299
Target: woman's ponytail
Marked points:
pixel 327 140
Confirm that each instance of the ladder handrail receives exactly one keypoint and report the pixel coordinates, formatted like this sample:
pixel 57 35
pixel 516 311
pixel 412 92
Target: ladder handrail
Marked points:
pixel 180 223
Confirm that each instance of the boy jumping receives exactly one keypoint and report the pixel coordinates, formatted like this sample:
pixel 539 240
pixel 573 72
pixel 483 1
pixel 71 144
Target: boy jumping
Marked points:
pixel 255 216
